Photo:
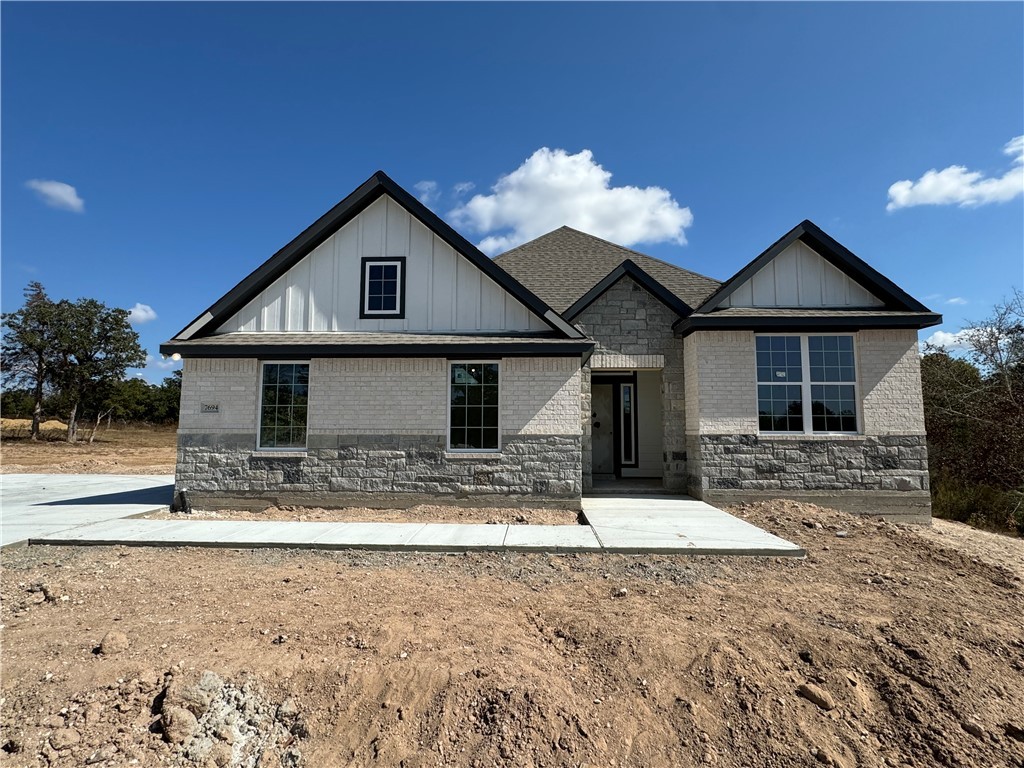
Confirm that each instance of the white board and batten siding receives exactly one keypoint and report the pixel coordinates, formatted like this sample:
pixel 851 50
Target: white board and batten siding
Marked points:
pixel 444 291
pixel 799 277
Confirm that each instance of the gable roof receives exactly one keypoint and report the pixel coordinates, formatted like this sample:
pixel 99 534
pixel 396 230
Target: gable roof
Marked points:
pixel 894 297
pixel 628 268
pixel 565 265
pixel 302 245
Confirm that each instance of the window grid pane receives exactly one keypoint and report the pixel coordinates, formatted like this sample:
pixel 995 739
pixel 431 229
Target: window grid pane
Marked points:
pixel 833 376
pixel 780 408
pixel 473 407
pixel 778 359
pixel 284 409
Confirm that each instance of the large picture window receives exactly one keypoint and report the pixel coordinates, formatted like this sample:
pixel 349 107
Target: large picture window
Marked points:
pixel 382 288
pixel 473 407
pixel 799 376
pixel 284 403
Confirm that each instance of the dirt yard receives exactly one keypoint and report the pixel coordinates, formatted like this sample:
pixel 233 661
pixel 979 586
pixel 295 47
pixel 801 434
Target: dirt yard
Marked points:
pixel 422 513
pixel 117 451
pixel 884 647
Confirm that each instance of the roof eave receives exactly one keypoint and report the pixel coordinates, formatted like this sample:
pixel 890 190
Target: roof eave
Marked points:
pixel 445 349
pixel 854 322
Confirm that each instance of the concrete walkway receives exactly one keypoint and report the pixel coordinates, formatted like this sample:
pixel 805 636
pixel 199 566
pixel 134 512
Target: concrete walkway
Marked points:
pixel 33 506
pixel 624 524
pixel 677 525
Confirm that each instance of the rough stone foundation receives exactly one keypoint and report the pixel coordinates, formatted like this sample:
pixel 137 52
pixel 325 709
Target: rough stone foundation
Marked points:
pixel 884 475
pixel 221 470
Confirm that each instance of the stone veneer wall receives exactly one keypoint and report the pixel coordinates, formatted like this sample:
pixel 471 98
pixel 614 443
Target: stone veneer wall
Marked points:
pixel 378 435
pixel 729 459
pixel 628 324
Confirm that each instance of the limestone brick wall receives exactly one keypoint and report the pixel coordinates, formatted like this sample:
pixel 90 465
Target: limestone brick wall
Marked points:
pixel 722 391
pixel 890 382
pixel 397 396
pixel 629 326
pixel 540 396
pixel 230 384
pixel 379 426
pixel 727 453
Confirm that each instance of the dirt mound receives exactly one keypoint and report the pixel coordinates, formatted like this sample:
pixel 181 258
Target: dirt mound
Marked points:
pixel 880 648
pixel 23 427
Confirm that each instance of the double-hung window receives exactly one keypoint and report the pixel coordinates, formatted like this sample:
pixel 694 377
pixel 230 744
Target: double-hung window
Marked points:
pixel 284 404
pixel 473 407
pixel 382 287
pixel 806 384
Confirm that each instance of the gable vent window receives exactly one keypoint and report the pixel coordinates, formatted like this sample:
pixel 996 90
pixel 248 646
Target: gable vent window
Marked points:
pixel 801 376
pixel 382 288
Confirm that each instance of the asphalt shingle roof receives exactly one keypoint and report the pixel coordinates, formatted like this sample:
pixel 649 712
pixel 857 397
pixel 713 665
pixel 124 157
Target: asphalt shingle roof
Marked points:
pixel 561 266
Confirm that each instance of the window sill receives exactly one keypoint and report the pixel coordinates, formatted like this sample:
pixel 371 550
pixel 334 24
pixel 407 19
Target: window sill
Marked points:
pixel 474 455
pixel 272 454
pixel 811 436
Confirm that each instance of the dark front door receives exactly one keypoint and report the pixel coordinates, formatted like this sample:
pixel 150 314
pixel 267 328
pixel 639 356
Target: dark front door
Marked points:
pixel 613 423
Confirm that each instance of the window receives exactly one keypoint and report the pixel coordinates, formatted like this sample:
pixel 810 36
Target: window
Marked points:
pixel 284 401
pixel 383 288
pixel 627 422
pixel 473 409
pixel 800 375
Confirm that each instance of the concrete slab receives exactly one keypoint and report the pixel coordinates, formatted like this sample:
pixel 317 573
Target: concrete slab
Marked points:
pixel 450 537
pixel 273 534
pixel 551 538
pixel 37 505
pixel 368 535
pixel 680 526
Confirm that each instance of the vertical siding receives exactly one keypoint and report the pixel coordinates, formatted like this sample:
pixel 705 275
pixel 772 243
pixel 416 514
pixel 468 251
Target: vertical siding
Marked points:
pixel 444 291
pixel 799 277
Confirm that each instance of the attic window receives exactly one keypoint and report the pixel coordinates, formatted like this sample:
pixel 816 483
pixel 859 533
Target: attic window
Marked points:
pixel 382 288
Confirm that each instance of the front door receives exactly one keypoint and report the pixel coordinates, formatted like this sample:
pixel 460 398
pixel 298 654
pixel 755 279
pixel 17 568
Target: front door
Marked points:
pixel 602 429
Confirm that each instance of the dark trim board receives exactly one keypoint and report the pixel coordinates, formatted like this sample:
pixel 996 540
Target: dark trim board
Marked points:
pixel 364 262
pixel 854 322
pixel 832 251
pixel 314 235
pixel 642 278
pixel 293 351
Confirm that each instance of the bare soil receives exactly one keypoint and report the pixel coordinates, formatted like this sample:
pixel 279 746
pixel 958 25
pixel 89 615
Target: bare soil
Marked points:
pixel 117 451
pixel 423 513
pixel 881 648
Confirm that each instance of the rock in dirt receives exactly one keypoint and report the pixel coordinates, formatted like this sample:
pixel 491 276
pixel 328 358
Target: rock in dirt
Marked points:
pixel 221 755
pixel 179 724
pixel 1013 731
pixel 973 728
pixel 817 696
pixel 64 738
pixel 194 697
pixel 113 642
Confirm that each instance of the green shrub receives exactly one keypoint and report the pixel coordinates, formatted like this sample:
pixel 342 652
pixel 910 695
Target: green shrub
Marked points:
pixel 979 505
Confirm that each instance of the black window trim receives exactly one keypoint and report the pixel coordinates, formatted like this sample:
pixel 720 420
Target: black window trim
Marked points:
pixel 805 389
pixel 259 410
pixel 365 314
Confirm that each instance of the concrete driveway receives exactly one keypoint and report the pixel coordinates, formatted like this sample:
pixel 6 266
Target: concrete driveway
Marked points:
pixel 39 505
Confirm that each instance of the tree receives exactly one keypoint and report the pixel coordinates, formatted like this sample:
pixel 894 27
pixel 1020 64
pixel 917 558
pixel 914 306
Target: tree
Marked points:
pixel 93 346
pixel 28 346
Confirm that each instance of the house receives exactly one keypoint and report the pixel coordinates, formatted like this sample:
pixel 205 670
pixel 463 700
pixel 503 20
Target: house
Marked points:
pixel 380 358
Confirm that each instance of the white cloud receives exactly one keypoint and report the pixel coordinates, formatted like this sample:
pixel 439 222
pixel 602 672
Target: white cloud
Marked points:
pixel 957 300
pixel 463 188
pixel 553 188
pixel 427 192
pixel 57 194
pixel 141 313
pixel 956 185
pixel 948 341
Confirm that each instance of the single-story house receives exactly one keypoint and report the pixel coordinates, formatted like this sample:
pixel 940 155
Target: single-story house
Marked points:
pixel 380 357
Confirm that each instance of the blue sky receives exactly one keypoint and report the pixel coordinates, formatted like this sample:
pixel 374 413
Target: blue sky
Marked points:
pixel 200 138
